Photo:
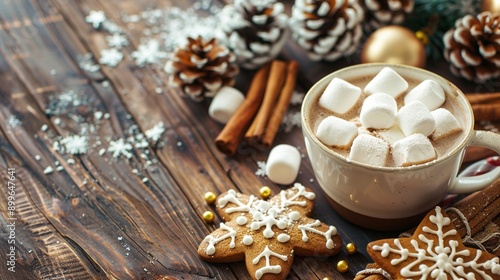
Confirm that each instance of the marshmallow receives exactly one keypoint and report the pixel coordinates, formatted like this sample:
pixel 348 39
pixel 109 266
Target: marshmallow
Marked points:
pixel 225 103
pixel 378 111
pixel 283 164
pixel 336 132
pixel 391 135
pixel 446 123
pixel 414 149
pixel 414 117
pixel 387 81
pixel 339 96
pixel 428 92
pixel 370 150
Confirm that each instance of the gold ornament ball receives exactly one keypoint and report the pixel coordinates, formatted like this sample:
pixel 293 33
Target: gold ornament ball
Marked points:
pixel 394 44
pixel 208 216
pixel 351 248
pixel 210 197
pixel 491 6
pixel 265 192
pixel 342 266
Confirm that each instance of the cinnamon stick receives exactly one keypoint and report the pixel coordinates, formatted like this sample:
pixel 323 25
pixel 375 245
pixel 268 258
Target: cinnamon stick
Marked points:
pixel 482 98
pixel 275 82
pixel 282 104
pixel 486 112
pixel 231 135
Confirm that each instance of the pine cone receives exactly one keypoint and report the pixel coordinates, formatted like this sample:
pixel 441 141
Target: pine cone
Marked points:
pixel 473 47
pixel 201 68
pixel 327 29
pixel 255 30
pixel 380 13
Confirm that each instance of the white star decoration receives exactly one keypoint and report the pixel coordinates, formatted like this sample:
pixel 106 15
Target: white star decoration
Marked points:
pixel 110 57
pixel 120 147
pixel 148 53
pixel 96 18
pixel 117 40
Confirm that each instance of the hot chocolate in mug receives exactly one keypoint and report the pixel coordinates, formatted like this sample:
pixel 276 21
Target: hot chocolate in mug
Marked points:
pixel 389 198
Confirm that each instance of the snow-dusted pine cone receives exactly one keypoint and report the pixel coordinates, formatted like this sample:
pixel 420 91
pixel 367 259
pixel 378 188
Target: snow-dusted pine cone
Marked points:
pixel 201 68
pixel 255 30
pixel 473 47
pixel 327 29
pixel 380 13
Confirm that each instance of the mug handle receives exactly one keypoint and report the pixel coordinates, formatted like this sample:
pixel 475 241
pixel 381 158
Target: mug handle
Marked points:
pixel 468 184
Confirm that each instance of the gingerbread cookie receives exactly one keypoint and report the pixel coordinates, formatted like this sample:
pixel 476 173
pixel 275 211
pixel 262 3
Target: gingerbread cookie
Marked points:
pixel 435 251
pixel 268 233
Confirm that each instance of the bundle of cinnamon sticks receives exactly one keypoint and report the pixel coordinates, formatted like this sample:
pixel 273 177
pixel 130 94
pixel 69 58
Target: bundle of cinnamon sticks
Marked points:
pixel 486 106
pixel 258 119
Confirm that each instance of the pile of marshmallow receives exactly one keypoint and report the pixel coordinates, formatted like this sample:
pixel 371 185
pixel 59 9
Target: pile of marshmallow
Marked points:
pixel 404 132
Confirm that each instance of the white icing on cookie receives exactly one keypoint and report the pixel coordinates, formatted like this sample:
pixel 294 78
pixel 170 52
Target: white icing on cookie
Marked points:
pixel 283 237
pixel 268 268
pixel 212 241
pixel 327 234
pixel 442 260
pixel 241 220
pixel 247 240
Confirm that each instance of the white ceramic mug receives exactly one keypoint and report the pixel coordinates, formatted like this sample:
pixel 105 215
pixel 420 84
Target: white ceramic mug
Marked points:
pixel 390 198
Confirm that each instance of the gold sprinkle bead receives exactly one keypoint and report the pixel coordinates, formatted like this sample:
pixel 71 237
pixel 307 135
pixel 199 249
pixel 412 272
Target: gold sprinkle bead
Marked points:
pixel 342 266
pixel 422 36
pixel 265 192
pixel 210 197
pixel 208 216
pixel 351 248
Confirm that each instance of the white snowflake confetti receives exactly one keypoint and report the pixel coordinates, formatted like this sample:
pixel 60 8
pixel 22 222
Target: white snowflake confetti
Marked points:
pixel 13 121
pixel 96 18
pixel 148 53
pixel 290 121
pixel 120 147
pixel 261 171
pixel 117 40
pixel 110 57
pixel 86 63
pixel 73 144
pixel 297 98
pixel 155 132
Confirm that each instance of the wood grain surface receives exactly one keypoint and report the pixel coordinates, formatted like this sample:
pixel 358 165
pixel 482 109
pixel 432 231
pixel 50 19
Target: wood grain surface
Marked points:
pixel 96 216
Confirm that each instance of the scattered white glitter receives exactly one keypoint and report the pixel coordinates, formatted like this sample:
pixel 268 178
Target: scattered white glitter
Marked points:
pixel 117 40
pixel 13 121
pixel 148 53
pixel 144 180
pixel 48 170
pixel 110 57
pixel 102 151
pixel 120 147
pixel 155 132
pixel 44 128
pixel 111 27
pixel 59 168
pixel 96 18
pixel 261 171
pixel 38 157
pixel 98 115
pixel 297 98
pixel 86 63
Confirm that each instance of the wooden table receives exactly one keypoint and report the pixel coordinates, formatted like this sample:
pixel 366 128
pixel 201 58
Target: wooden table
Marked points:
pixel 137 215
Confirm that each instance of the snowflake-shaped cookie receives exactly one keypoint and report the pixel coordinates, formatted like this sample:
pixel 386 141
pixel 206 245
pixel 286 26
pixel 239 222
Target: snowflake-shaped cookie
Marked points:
pixel 435 251
pixel 268 233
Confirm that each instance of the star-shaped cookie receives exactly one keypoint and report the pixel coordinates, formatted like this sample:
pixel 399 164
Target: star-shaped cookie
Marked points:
pixel 268 233
pixel 435 251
